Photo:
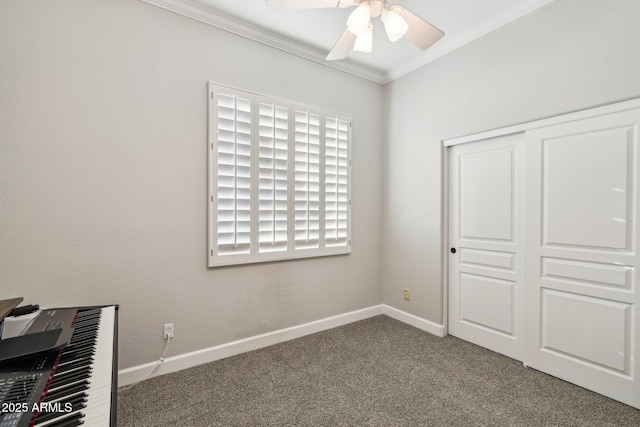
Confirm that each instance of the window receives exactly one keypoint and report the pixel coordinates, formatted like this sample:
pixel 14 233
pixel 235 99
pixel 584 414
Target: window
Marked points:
pixel 278 179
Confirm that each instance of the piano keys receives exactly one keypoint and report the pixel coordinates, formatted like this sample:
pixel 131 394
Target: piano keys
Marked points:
pixel 74 386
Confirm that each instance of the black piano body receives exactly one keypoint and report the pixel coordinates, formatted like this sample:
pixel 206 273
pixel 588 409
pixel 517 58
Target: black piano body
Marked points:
pixel 63 371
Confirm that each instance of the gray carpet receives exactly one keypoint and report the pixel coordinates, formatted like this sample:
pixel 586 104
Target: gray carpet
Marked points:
pixel 376 372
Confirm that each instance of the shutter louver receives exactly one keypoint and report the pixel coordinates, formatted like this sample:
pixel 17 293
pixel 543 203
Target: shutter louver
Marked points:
pixel 336 181
pixel 234 175
pixel 307 180
pixel 273 177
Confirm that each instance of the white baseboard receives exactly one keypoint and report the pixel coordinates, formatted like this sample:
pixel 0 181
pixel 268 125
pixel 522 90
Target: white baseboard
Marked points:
pixel 206 355
pixel 183 361
pixel 410 319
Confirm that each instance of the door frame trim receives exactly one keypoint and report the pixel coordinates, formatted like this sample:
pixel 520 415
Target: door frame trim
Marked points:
pixel 444 235
pixel 547 121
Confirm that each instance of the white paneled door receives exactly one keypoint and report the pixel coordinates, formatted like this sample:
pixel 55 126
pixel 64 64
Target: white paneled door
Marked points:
pixel 486 241
pixel 582 237
pixel 544 248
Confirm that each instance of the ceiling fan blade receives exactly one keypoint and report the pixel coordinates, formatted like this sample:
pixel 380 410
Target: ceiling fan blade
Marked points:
pixel 309 4
pixel 343 46
pixel 420 32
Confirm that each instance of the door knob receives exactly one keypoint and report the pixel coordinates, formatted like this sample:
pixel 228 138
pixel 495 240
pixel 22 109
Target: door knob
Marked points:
pixel 453 250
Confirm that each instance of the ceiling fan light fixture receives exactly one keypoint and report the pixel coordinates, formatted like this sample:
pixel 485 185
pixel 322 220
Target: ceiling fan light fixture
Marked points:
pixel 364 42
pixel 395 26
pixel 398 22
pixel 360 19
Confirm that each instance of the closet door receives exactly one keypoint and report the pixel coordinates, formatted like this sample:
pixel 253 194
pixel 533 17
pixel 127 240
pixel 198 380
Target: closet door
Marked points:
pixel 581 316
pixel 485 235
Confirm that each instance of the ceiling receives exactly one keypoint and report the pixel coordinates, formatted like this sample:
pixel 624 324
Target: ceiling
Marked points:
pixel 311 33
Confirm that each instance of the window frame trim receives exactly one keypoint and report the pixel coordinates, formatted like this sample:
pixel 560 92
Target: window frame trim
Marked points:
pixel 255 256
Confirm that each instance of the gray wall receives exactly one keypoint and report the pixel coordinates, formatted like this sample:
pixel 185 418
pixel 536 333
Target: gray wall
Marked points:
pixel 567 56
pixel 103 159
pixel 103 148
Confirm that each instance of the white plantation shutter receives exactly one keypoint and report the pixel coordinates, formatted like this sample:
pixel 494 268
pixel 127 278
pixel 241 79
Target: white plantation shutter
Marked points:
pixel 307 179
pixel 273 177
pixel 234 174
pixel 336 208
pixel 278 179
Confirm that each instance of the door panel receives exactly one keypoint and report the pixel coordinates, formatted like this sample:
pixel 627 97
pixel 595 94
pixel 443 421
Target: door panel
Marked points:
pixel 485 274
pixel 487 302
pixel 591 331
pixel 582 253
pixel 585 178
pixel 591 273
pixel 470 257
pixel 486 194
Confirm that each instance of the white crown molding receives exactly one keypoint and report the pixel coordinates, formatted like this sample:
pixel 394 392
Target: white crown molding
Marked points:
pixel 269 38
pixel 261 35
pixel 436 51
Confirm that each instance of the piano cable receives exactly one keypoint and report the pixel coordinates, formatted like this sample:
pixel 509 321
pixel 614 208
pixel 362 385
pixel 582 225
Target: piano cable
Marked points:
pixel 153 369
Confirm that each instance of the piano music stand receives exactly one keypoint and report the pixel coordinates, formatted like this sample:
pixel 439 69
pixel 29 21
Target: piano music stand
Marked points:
pixel 7 305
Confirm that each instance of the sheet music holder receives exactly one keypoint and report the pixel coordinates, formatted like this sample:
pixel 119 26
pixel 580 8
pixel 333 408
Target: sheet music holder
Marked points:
pixel 7 305
pixel 31 344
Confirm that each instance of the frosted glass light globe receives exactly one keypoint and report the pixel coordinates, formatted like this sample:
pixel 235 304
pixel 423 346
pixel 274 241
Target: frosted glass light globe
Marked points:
pixel 394 25
pixel 360 19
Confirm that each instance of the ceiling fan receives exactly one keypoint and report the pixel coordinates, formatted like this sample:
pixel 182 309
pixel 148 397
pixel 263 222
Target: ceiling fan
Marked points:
pixel 398 23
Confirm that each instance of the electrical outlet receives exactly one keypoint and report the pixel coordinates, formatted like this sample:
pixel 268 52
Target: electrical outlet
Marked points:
pixel 407 294
pixel 168 330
